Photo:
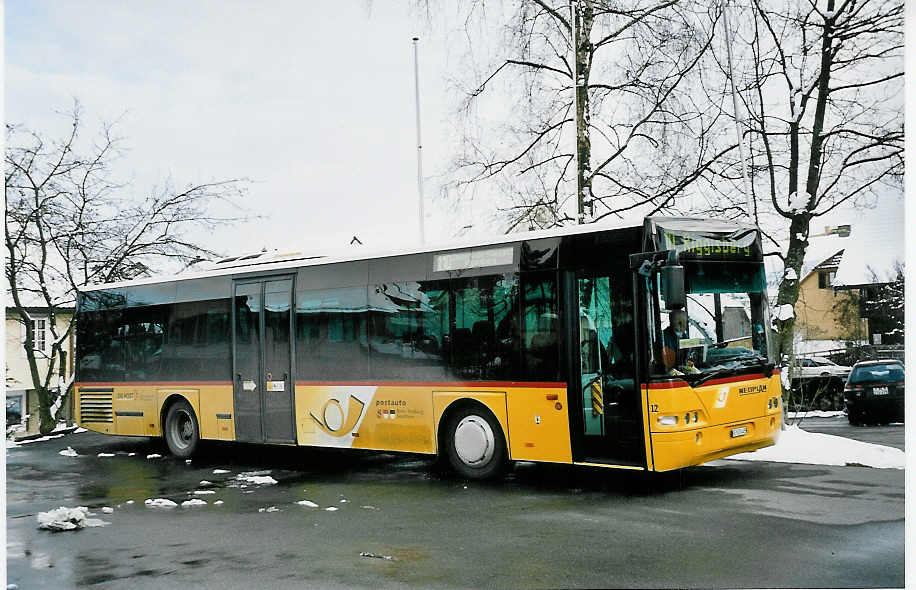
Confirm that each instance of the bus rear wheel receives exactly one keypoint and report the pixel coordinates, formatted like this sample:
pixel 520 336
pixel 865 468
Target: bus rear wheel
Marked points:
pixel 476 446
pixel 181 431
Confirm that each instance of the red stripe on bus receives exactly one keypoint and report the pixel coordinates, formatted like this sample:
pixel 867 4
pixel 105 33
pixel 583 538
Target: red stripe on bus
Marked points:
pixel 150 383
pixel 667 385
pixel 735 379
pixel 461 384
pixel 673 384
pixel 447 384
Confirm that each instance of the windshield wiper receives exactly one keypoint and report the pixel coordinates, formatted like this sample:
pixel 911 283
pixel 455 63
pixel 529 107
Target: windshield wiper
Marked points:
pixel 735 369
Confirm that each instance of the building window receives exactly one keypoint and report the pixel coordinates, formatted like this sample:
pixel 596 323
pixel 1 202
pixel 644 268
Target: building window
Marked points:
pixel 39 334
pixel 15 406
pixel 825 279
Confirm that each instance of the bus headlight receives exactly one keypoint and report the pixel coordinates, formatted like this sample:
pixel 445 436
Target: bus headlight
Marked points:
pixel 667 420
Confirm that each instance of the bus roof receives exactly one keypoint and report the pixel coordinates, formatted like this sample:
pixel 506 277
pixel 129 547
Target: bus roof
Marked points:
pixel 270 261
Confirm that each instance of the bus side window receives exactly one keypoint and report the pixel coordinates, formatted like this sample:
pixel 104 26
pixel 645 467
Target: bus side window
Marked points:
pixel 540 319
pixel 484 343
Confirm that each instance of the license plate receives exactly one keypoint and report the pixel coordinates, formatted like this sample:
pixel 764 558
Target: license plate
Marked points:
pixel 879 391
pixel 740 431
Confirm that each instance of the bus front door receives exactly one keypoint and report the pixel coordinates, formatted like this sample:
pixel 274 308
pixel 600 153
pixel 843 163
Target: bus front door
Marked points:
pixel 608 428
pixel 262 360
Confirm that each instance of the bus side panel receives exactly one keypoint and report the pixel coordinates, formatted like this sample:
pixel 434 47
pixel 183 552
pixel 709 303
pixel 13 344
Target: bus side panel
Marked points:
pixel 539 425
pixel 216 407
pixel 385 417
pixel 135 411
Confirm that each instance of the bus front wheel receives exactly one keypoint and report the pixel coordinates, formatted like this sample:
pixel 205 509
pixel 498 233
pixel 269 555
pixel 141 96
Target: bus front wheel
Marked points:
pixel 181 431
pixel 476 445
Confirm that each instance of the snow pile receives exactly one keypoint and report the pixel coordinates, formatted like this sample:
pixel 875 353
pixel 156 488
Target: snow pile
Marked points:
pixel 105 455
pixel 107 509
pixel 205 483
pixel 791 275
pixel 218 503
pixel 219 471
pixel 331 508
pixel 154 456
pixel 68 452
pixel 799 446
pixel 12 443
pixel 67 519
pixel 308 503
pixel 203 492
pixel 160 503
pixel 816 414
pixel 269 509
pixel 193 502
pixel 256 478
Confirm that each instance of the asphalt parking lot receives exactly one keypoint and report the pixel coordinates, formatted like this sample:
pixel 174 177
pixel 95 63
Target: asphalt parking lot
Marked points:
pixel 732 524
pixel 892 435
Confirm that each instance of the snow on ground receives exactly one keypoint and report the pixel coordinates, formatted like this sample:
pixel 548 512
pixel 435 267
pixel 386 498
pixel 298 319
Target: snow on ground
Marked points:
pixel 154 456
pixel 219 471
pixel 799 446
pixel 67 519
pixel 256 478
pixel 10 443
pixel 193 502
pixel 160 503
pixel 816 414
pixel 308 503
pixel 68 452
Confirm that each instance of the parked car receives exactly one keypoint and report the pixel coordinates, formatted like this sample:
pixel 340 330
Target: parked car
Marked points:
pixel 874 392
pixel 817 383
pixel 817 366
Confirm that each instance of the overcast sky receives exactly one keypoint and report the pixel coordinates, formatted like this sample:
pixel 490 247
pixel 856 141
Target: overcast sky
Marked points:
pixel 314 101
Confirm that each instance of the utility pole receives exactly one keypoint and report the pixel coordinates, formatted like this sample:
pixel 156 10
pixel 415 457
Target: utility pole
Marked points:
pixel 731 78
pixel 416 79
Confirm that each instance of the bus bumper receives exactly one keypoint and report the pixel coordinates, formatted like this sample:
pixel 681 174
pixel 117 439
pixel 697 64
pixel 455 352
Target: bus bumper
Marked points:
pixel 673 450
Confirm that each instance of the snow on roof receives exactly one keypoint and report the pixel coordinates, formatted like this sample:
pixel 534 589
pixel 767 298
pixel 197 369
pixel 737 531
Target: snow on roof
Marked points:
pixel 872 253
pixel 821 249
pixel 871 250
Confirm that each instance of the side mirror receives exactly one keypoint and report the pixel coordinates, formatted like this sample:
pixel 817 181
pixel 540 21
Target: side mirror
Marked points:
pixel 672 279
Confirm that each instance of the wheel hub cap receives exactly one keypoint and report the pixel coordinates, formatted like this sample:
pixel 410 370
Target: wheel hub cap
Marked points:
pixel 474 440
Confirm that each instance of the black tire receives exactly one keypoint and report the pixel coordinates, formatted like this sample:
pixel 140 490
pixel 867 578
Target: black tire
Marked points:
pixel 854 419
pixel 182 434
pixel 475 444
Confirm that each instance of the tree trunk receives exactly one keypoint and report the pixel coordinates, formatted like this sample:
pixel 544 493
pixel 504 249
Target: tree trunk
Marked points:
pixel 583 19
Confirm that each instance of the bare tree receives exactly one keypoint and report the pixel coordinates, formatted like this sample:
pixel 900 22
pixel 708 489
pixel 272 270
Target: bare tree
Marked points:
pixel 69 224
pixel 600 114
pixel 821 85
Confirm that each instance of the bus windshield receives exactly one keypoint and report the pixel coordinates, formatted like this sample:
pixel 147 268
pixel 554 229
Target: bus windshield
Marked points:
pixel 723 328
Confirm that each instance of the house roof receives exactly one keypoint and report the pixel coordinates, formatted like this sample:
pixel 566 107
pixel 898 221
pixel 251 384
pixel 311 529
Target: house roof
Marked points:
pixel 867 256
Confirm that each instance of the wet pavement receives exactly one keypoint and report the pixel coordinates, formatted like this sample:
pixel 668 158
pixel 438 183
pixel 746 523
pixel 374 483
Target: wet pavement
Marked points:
pixel 733 524
pixel 891 435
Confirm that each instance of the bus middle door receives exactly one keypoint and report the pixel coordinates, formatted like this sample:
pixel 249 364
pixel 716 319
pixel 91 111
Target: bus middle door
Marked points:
pixel 609 425
pixel 262 360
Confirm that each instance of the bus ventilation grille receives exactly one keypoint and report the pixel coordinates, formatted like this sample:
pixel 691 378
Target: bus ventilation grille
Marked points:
pixel 95 407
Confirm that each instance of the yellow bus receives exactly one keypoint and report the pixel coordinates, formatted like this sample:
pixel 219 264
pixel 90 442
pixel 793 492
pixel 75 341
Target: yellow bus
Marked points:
pixel 643 347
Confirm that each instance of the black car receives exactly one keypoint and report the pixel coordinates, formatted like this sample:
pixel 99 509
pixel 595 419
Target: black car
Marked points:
pixel 874 392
